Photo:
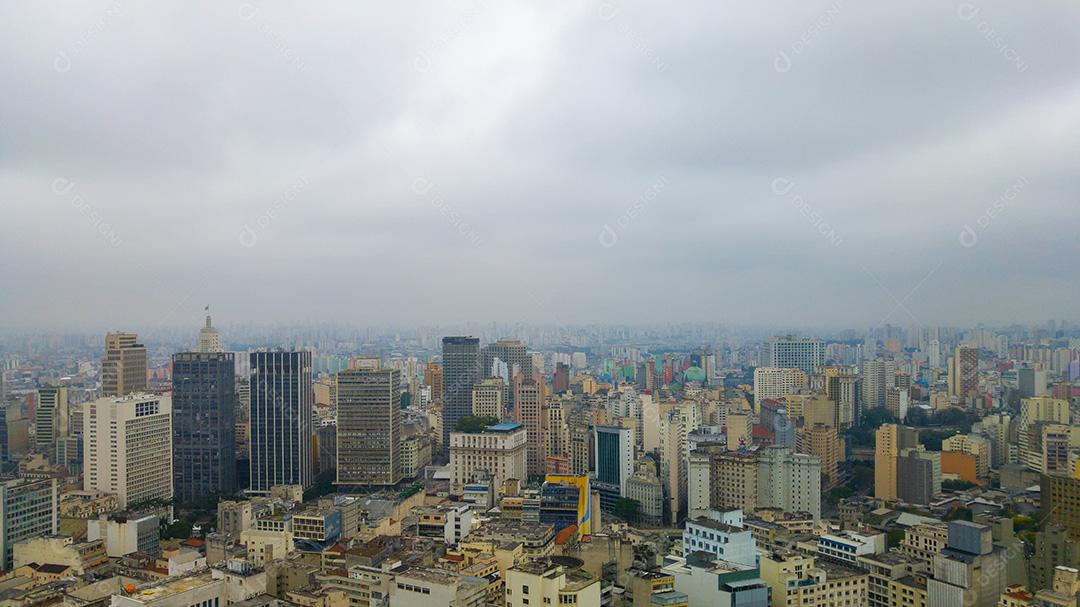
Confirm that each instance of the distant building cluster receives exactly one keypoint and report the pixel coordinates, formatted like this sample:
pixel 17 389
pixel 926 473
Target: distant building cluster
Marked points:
pixel 896 467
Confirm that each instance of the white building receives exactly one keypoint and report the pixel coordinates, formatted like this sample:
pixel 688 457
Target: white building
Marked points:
pixel 498 451
pixel 847 546
pixel 126 535
pixel 127 446
pixel 723 536
pixel 789 481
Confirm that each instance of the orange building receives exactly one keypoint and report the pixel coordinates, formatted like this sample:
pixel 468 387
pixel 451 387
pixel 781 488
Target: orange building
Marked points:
pixel 961 464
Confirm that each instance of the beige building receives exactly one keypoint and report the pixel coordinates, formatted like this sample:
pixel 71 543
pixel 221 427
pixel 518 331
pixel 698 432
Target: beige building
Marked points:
pixel 489 398
pixel 799 580
pixel 123 367
pixel 369 427
pixel 498 451
pixel 776 383
pixel 889 441
pixel 551 582
pixel 127 447
pixel 420 587
pixel 822 441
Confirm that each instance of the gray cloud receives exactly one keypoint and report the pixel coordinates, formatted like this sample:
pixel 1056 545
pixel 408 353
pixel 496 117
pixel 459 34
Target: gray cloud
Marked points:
pixel 501 161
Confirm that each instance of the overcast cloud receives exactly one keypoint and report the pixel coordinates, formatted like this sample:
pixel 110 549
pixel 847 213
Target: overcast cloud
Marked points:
pixel 784 163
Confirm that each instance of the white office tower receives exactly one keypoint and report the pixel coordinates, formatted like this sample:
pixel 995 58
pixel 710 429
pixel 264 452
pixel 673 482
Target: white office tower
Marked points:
pixel 127 446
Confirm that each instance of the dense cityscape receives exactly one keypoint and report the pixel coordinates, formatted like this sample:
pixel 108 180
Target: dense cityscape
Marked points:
pixel 669 465
pixel 590 303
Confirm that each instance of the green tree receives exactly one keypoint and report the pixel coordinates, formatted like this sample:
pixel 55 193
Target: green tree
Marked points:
pixel 474 423
pixel 627 509
pixel 179 530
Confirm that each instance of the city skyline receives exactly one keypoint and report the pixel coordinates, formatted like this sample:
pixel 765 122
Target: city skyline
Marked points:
pixel 796 168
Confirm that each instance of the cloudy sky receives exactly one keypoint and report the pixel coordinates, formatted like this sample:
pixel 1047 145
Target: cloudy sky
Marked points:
pixel 815 163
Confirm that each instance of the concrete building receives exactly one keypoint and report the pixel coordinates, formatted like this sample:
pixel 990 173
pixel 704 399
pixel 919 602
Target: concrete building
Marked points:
pixel 723 536
pixel 51 420
pixel 789 481
pixel 28 508
pixel 964 372
pixel 497 452
pixel 124 365
pixel 822 442
pixel 552 581
pixel 717 582
pixel 972 444
pixel 489 398
pixel 124 535
pixel 194 591
pixel 969 571
pixel 878 376
pixel 529 412
pixel 889 441
pixel 369 427
pixel 128 447
pixel 788 352
pixel 777 382
pixel 799 580
pixel 918 476
pixel 418 587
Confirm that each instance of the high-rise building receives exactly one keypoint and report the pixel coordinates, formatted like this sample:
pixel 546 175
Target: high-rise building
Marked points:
pixel 528 411
pixel 915 478
pixel 789 481
pixel 51 420
pixel 28 509
pixel 878 376
pixel 461 371
pixel 369 427
pixel 889 441
pixel 614 449
pixel 822 441
pixel 433 377
pixel 209 338
pixel 510 352
pixel 127 446
pixel 1031 382
pixel 1060 502
pixel 1033 411
pixel 560 383
pixel 969 571
pixel 964 372
pixel 204 425
pixel 496 453
pixel 775 383
pixel 788 352
pixel 123 368
pixel 280 419
pixel 897 402
pixel 488 398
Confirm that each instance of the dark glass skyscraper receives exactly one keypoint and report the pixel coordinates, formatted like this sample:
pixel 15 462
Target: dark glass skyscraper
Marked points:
pixel 281 432
pixel 461 370
pixel 204 425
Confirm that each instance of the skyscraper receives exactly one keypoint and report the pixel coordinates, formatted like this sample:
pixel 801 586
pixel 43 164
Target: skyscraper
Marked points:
pixel 614 447
pixel 461 371
pixel 50 420
pixel 282 394
pixel 889 441
pixel 123 368
pixel 204 424
pixel 128 447
pixel 964 372
pixel 788 352
pixel 878 376
pixel 529 399
pixel 369 427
